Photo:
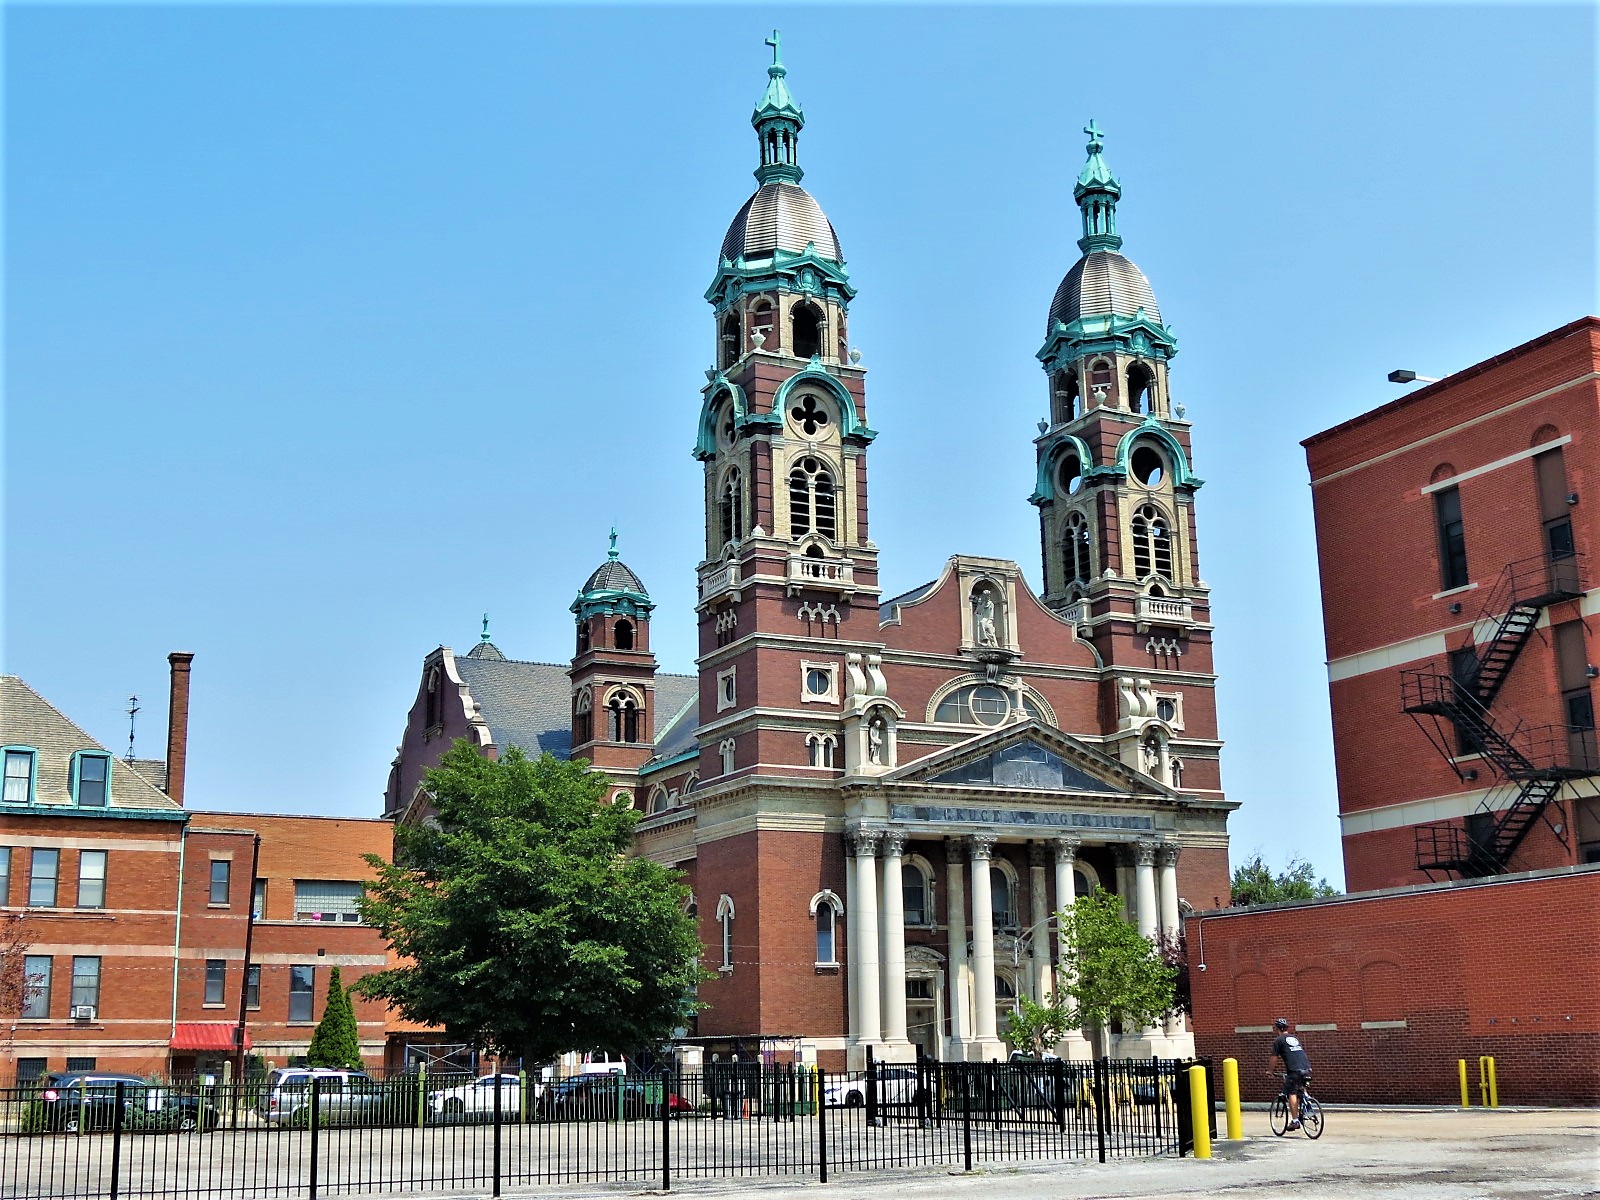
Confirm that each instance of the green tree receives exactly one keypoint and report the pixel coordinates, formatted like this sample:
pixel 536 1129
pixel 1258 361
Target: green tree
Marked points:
pixel 1254 882
pixel 1035 1027
pixel 336 1041
pixel 525 925
pixel 1109 971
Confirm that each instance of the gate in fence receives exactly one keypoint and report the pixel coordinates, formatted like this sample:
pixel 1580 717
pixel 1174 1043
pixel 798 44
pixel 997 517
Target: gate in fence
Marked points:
pixel 416 1132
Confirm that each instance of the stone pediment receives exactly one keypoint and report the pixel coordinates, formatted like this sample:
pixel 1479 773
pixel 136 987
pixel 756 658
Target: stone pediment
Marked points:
pixel 1031 757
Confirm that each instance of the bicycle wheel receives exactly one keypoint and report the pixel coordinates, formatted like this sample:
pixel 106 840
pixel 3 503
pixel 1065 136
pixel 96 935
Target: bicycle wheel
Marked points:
pixel 1278 1115
pixel 1310 1116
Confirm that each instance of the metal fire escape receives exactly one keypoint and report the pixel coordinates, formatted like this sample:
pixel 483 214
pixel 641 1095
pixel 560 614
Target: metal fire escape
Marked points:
pixel 1453 710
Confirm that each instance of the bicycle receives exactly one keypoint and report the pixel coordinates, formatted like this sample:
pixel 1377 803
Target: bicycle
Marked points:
pixel 1310 1113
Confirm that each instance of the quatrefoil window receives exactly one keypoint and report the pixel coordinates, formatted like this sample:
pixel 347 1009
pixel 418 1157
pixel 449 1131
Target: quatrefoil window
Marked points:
pixel 809 416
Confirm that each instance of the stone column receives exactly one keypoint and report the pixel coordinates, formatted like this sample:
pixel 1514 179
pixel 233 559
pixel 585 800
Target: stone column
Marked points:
pixel 983 944
pixel 1145 886
pixel 1074 1045
pixel 894 941
pixel 956 919
pixel 852 945
pixel 1167 859
pixel 1043 931
pixel 865 929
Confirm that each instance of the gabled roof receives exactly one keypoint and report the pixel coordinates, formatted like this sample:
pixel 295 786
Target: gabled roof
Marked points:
pixel 529 704
pixel 28 719
pixel 1052 761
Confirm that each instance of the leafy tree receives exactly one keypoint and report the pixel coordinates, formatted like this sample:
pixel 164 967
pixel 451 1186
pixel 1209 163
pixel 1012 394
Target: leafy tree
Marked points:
pixel 1174 949
pixel 336 1041
pixel 1035 1027
pixel 1254 882
pixel 525 926
pixel 1109 970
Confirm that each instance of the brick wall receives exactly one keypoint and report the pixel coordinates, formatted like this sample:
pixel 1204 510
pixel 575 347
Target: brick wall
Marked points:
pixel 1398 986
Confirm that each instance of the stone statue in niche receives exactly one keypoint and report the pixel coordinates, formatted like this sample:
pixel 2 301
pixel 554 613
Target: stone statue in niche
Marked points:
pixel 983 618
pixel 1152 756
pixel 875 735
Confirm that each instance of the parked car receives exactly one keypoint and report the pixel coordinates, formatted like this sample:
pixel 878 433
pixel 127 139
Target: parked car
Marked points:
pixel 343 1097
pixel 477 1097
pixel 86 1100
pixel 604 1097
pixel 896 1085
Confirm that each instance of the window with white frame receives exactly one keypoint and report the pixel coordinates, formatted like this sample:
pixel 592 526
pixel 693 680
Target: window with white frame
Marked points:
pixel 331 901
pixel 36 987
pixel 91 879
pixel 302 992
pixel 1152 543
pixel 19 775
pixel 86 981
pixel 819 682
pixel 825 909
pixel 821 747
pixel 726 750
pixel 1002 896
pixel 660 799
pixel 44 872
pixel 727 688
pixel 221 880
pixel 725 919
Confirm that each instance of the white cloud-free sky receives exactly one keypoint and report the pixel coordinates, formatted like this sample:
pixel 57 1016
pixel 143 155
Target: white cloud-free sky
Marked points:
pixel 330 328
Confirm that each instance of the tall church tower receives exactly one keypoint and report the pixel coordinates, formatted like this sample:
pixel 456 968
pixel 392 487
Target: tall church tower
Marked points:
pixel 1115 491
pixel 613 671
pixel 783 436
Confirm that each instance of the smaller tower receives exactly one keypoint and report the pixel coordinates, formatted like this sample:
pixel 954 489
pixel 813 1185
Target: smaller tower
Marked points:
pixel 613 671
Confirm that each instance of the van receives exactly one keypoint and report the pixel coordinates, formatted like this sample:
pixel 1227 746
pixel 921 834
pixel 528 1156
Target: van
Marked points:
pixel 344 1097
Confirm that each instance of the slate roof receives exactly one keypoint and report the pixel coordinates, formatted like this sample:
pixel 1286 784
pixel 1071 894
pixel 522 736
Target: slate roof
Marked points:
pixel 613 575
pixel 1102 283
pixel 28 719
pixel 529 704
pixel 886 607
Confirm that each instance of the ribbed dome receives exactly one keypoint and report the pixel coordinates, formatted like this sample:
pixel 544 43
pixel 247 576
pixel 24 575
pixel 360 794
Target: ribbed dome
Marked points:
pixel 614 576
pixel 1102 283
pixel 780 216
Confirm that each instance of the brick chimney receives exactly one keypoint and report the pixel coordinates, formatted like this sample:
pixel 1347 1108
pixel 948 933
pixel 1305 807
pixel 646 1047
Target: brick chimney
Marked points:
pixel 178 723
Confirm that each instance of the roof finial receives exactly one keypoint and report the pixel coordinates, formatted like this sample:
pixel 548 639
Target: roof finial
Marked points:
pixel 1096 192
pixel 1096 137
pixel 612 553
pixel 776 42
pixel 778 121
pixel 484 636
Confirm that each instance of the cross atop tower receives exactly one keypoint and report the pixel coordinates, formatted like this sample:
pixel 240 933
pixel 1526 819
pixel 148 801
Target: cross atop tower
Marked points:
pixel 612 553
pixel 776 42
pixel 1096 137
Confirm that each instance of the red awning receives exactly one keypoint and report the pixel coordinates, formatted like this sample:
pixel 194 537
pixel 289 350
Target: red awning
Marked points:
pixel 206 1035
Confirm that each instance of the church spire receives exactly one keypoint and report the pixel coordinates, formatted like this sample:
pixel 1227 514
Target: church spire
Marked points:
pixel 1097 192
pixel 778 120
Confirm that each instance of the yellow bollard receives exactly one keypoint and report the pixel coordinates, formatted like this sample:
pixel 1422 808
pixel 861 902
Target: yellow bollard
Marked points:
pixel 1483 1080
pixel 1466 1089
pixel 1199 1116
pixel 1494 1085
pixel 1230 1099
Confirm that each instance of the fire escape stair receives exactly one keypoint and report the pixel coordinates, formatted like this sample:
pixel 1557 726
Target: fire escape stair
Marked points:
pixel 1497 658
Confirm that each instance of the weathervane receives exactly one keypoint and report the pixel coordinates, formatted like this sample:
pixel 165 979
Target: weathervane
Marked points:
pixel 133 710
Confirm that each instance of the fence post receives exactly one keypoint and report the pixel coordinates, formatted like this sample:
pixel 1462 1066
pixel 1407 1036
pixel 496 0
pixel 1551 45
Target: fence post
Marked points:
pixel 822 1126
pixel 1101 1099
pixel 316 1124
pixel 498 1080
pixel 1058 1072
pixel 966 1116
pixel 422 1094
pixel 116 1141
pixel 1198 1114
pixel 1230 1098
pixel 666 1130
pixel 872 1088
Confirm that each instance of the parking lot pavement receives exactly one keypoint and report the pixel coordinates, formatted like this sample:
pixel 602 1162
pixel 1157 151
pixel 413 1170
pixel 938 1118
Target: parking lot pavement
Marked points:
pixel 1365 1154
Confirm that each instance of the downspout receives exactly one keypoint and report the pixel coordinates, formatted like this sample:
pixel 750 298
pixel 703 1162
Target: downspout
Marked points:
pixel 177 933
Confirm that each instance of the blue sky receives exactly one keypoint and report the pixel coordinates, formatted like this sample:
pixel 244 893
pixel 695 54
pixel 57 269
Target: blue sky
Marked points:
pixel 329 329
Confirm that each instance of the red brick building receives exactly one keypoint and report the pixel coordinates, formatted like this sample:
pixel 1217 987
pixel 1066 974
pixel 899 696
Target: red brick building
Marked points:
pixel 1456 555
pixel 879 801
pixel 131 915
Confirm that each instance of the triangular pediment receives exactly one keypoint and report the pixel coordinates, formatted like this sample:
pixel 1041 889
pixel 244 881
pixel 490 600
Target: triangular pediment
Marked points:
pixel 1029 756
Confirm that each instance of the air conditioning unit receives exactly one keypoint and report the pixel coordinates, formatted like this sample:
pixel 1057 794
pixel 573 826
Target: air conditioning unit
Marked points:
pixel 83 1012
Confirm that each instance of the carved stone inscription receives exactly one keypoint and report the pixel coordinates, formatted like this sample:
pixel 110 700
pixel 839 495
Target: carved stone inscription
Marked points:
pixel 935 814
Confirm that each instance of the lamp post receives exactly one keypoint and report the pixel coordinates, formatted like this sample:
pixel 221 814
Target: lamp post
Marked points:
pixel 1016 957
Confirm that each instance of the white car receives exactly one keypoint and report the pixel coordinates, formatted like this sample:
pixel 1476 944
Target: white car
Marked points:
pixel 896 1085
pixel 478 1097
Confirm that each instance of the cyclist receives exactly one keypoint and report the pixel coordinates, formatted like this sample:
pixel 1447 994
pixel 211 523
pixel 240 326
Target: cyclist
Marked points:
pixel 1296 1067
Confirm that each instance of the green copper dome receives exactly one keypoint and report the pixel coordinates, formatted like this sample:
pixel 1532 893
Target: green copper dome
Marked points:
pixel 612 588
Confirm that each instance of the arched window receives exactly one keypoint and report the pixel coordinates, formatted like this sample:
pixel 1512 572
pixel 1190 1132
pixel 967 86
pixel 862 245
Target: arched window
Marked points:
pixel 728 345
pixel 582 719
pixel 821 746
pixel 1152 544
pixel 1068 399
pixel 1001 898
pixel 825 909
pixel 1148 465
pixel 660 799
pixel 730 507
pixel 624 710
pixel 1141 389
pixel 1100 379
pixel 983 704
pixel 726 751
pixel 725 919
pixel 805 330
pixel 583 637
pixel 1069 474
pixel 811 508
pixel 622 634
pixel 761 325
pixel 1077 559
pixel 431 699
pixel 916 894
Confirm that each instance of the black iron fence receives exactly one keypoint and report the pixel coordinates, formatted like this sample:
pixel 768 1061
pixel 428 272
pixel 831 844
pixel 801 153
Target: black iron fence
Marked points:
pixel 452 1134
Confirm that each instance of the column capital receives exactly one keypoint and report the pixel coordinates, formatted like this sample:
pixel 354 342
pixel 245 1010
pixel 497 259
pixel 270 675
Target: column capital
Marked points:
pixel 955 854
pixel 1066 848
pixel 1145 852
pixel 981 845
pixel 894 843
pixel 865 840
pixel 1167 855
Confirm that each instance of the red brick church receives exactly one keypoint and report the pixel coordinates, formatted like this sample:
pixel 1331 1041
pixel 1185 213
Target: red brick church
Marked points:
pixel 879 801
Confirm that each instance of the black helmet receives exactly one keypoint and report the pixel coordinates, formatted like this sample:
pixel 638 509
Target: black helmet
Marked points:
pixel 1281 1023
